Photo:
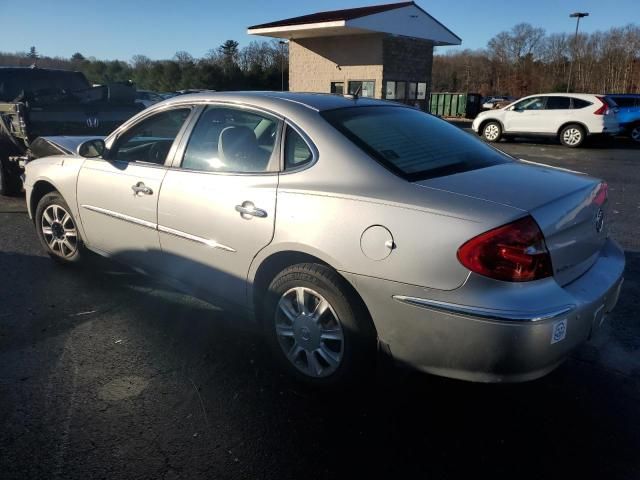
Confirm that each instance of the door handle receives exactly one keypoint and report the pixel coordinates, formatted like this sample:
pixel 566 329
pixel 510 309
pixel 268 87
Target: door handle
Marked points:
pixel 248 210
pixel 140 187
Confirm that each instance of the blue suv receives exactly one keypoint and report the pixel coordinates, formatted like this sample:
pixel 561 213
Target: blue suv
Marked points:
pixel 629 114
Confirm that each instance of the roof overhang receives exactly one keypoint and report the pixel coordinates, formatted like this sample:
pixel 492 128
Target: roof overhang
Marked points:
pixel 408 21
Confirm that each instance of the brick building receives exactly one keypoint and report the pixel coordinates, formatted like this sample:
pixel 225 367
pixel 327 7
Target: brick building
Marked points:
pixel 381 51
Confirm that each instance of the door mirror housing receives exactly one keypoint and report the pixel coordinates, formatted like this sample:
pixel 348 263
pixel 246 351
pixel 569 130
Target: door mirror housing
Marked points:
pixel 91 148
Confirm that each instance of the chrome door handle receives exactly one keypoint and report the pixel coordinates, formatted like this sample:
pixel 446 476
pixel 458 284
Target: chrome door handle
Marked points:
pixel 140 187
pixel 248 210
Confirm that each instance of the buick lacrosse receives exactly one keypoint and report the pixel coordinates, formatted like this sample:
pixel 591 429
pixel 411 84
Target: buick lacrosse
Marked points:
pixel 344 227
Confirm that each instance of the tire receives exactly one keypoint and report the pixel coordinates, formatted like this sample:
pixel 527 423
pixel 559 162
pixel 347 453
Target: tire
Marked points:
pixel 57 229
pixel 572 136
pixel 334 349
pixel 634 133
pixel 492 132
pixel 9 184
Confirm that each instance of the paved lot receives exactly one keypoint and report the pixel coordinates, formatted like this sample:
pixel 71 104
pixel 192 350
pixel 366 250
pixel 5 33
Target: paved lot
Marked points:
pixel 105 374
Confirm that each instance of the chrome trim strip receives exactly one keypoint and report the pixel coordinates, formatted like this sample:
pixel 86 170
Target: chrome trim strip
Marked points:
pixel 122 216
pixel 194 238
pixel 486 313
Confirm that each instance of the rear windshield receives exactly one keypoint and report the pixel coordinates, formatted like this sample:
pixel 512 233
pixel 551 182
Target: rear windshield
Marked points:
pixel 411 143
pixel 14 81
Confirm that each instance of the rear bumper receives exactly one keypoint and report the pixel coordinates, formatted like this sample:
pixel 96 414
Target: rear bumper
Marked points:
pixel 493 343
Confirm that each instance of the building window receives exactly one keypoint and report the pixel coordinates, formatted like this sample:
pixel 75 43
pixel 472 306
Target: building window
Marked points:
pixel 413 87
pixel 337 88
pixel 390 91
pixel 422 91
pixel 364 88
pixel 401 88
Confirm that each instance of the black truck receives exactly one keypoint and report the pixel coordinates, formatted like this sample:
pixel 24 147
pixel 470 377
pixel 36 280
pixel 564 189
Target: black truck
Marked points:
pixel 37 102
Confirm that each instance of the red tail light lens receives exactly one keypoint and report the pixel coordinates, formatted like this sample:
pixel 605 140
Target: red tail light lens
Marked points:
pixel 515 252
pixel 604 109
pixel 601 194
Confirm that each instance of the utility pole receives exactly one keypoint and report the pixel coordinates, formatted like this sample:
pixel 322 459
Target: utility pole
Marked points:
pixel 282 44
pixel 577 16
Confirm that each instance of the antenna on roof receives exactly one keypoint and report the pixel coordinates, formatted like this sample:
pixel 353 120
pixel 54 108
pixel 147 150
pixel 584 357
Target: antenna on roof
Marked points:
pixel 355 94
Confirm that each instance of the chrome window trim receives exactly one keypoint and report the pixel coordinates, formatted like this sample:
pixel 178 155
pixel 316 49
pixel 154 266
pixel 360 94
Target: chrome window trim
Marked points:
pixel 195 238
pixel 305 138
pixel 486 313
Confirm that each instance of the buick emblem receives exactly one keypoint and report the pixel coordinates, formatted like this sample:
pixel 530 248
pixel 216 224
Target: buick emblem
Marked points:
pixel 599 221
pixel 93 122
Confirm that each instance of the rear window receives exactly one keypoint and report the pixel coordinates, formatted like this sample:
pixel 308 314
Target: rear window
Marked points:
pixel 411 143
pixel 579 103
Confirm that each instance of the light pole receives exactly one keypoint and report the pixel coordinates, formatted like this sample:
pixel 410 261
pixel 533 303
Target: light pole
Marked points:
pixel 282 44
pixel 577 16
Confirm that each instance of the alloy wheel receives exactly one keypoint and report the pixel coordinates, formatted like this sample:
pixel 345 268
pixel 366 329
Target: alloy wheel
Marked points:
pixel 572 136
pixel 491 131
pixel 59 231
pixel 635 134
pixel 309 332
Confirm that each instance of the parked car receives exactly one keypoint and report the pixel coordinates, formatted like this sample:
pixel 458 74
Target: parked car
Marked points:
pixel 344 227
pixel 148 98
pixel 39 101
pixel 628 114
pixel 489 103
pixel 569 117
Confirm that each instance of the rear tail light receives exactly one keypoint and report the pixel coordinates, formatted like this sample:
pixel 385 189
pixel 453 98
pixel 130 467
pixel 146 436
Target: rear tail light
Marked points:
pixel 604 109
pixel 601 194
pixel 515 252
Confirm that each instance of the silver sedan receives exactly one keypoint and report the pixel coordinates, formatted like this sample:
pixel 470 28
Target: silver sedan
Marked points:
pixel 343 227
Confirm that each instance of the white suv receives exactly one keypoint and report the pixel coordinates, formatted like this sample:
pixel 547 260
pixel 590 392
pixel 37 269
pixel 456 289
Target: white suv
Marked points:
pixel 569 116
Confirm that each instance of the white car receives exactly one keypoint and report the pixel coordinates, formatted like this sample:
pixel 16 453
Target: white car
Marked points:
pixel 570 117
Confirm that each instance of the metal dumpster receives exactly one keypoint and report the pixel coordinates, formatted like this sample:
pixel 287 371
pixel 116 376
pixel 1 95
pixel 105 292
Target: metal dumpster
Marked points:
pixel 455 104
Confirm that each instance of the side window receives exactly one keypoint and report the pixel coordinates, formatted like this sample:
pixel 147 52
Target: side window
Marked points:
pixel 150 140
pixel 534 103
pixel 296 151
pixel 558 103
pixel 231 140
pixel 579 103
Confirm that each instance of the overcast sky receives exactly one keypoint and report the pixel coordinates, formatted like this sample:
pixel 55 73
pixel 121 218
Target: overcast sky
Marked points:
pixel 110 29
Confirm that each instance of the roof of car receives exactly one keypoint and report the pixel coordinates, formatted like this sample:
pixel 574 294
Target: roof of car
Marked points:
pixel 314 101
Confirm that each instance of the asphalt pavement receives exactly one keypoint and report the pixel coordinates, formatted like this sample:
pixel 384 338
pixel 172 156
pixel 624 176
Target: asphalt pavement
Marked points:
pixel 108 374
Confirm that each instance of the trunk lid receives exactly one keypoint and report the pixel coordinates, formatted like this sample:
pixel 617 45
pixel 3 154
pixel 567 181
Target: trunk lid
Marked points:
pixel 569 207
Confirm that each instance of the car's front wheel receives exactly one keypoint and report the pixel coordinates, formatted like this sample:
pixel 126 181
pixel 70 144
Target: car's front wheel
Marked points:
pixel 317 328
pixel 572 136
pixel 57 229
pixel 492 132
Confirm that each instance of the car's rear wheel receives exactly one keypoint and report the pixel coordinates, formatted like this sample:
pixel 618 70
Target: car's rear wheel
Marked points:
pixel 572 136
pixel 492 132
pixel 57 229
pixel 317 328
pixel 634 133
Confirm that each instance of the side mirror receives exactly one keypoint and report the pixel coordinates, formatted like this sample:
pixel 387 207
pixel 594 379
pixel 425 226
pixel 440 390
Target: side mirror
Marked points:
pixel 91 148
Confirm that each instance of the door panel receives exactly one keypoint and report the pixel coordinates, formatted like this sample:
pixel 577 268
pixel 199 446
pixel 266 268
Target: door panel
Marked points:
pixel 117 220
pixel 526 116
pixel 207 243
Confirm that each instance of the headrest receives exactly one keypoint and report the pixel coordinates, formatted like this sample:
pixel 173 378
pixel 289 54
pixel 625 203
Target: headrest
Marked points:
pixel 237 143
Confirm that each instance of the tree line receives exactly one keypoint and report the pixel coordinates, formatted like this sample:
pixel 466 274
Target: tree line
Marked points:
pixel 516 62
pixel 527 60
pixel 257 66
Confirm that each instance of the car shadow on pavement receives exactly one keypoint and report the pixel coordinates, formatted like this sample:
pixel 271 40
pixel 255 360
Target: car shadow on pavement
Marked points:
pixel 160 382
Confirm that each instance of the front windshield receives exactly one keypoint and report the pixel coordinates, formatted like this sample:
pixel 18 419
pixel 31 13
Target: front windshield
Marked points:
pixel 411 143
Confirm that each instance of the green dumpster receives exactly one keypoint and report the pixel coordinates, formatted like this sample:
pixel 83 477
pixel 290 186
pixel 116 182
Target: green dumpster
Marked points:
pixel 455 104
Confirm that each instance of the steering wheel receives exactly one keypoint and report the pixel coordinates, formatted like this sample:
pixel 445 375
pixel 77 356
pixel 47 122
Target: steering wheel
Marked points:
pixel 158 153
